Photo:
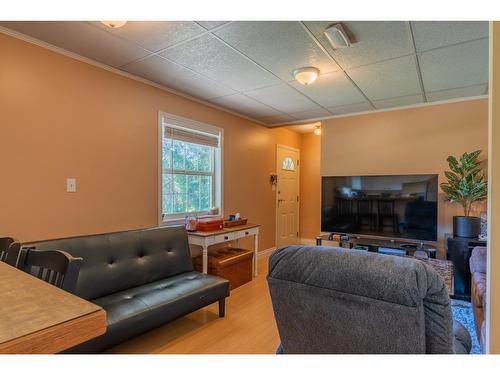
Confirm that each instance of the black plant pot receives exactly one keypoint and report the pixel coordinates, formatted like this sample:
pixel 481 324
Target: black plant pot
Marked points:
pixel 466 226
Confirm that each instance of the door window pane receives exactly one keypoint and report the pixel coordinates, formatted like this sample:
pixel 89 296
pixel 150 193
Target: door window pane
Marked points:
pixel 288 164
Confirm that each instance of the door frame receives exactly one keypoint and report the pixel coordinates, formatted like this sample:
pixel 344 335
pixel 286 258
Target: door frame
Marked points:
pixel 278 166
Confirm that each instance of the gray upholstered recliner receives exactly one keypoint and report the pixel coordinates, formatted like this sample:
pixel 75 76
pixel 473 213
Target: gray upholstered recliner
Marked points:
pixel 333 300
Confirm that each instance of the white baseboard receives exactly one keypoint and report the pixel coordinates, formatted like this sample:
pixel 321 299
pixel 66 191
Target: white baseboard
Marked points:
pixel 308 241
pixel 265 253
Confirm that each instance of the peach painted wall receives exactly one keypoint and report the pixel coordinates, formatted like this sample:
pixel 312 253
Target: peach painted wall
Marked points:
pixel 416 140
pixel 493 272
pixel 62 118
pixel 310 188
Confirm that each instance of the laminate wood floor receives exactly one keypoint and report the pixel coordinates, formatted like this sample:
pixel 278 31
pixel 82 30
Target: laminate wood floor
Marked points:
pixel 248 327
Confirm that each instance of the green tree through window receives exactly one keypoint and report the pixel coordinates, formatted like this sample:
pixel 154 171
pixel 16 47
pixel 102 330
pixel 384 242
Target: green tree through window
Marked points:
pixel 188 177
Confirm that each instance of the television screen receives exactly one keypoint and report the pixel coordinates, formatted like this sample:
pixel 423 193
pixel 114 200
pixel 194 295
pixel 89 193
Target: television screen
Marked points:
pixel 396 206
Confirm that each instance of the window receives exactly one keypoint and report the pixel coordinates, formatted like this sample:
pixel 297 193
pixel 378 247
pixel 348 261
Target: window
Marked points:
pixel 288 164
pixel 190 157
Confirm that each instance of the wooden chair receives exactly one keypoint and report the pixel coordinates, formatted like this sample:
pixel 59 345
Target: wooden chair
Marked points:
pixel 53 266
pixel 387 216
pixel 365 214
pixel 9 250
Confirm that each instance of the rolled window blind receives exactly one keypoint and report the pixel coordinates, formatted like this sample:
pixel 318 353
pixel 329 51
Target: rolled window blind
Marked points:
pixel 191 136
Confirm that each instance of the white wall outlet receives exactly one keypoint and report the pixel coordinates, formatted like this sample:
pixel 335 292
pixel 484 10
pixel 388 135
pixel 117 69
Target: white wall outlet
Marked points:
pixel 71 185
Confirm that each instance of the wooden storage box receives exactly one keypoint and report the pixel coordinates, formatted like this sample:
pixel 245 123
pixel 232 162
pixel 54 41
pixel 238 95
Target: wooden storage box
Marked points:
pixel 210 225
pixel 229 263
pixel 234 223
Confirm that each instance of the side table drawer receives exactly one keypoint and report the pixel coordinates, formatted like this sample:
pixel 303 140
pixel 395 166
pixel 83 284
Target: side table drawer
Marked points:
pixel 224 237
pixel 246 232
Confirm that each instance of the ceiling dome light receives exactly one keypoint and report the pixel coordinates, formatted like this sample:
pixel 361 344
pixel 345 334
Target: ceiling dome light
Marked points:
pixel 114 24
pixel 306 76
pixel 317 130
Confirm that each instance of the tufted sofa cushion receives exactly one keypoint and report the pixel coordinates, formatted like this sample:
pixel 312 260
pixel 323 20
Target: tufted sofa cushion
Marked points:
pixel 136 310
pixel 113 262
pixel 142 278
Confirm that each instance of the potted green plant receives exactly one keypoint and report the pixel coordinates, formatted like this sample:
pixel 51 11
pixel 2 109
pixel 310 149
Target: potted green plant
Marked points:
pixel 466 184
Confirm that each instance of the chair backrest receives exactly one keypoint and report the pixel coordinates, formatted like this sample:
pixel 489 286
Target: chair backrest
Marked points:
pixel 343 206
pixel 113 262
pixel 365 206
pixel 53 266
pixel 9 250
pixel 386 207
pixel 334 300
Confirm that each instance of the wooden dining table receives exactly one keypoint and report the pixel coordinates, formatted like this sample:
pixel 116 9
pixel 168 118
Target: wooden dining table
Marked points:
pixel 39 318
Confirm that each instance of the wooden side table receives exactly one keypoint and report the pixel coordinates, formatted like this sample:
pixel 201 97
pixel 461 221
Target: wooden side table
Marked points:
pixel 445 269
pixel 206 239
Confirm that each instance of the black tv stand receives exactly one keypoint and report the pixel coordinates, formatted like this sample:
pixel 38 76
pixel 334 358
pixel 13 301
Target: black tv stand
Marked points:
pixel 380 245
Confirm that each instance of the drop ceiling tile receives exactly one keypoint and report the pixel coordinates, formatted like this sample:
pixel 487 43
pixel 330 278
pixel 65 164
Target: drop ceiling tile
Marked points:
pixel 398 102
pixel 155 35
pixel 309 115
pixel 388 79
pixel 211 24
pixel 159 70
pixel 278 119
pixel 435 34
pixel 245 105
pixel 462 92
pixel 83 39
pixel 351 108
pixel 283 98
pixel 330 90
pixel 456 66
pixel 373 41
pixel 279 46
pixel 210 57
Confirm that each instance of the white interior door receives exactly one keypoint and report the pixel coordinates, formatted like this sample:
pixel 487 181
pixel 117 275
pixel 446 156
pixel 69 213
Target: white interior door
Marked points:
pixel 287 196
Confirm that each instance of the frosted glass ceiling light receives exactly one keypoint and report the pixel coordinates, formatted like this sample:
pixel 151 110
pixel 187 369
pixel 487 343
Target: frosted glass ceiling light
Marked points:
pixel 307 75
pixel 114 24
pixel 317 130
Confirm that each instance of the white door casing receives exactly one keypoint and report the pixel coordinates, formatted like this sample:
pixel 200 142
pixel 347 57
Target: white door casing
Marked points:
pixel 287 196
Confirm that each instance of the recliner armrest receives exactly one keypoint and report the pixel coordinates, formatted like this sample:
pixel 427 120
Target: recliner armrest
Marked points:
pixel 462 342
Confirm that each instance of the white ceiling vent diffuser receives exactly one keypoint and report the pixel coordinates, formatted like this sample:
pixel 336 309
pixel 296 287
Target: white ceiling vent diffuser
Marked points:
pixel 337 36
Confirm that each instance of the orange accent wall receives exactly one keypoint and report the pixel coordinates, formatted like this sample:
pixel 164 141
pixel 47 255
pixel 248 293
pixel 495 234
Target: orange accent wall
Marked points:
pixel 310 188
pixel 62 118
pixel 416 140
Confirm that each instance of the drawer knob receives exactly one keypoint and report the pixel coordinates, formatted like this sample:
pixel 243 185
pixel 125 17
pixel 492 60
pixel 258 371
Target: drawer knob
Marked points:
pixel 226 237
pixel 246 233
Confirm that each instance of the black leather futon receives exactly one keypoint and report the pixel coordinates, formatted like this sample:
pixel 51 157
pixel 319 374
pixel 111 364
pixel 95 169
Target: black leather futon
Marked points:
pixel 142 278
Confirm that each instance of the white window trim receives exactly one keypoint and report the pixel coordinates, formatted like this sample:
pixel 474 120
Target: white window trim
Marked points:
pixel 181 122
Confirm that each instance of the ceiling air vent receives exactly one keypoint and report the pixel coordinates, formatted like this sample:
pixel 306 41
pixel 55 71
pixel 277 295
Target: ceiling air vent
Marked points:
pixel 337 36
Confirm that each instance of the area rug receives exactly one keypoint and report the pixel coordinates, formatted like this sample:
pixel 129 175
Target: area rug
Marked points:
pixel 462 311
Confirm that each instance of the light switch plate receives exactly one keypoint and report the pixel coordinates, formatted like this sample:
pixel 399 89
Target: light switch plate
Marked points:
pixel 71 185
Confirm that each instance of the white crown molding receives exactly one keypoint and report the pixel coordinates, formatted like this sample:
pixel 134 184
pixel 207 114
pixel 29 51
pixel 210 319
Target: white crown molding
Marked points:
pixel 420 105
pixel 62 51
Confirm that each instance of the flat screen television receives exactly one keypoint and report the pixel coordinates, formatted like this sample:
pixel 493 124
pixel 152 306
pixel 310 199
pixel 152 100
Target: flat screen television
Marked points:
pixel 395 206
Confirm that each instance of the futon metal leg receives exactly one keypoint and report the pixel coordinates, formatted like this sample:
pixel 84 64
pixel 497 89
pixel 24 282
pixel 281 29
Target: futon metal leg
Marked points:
pixel 222 307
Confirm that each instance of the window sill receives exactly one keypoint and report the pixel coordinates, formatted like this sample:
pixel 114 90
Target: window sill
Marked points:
pixel 180 221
